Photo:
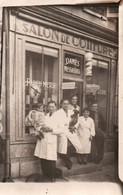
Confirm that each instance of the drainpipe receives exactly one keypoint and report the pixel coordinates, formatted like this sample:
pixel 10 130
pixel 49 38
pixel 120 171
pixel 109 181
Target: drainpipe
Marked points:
pixel 7 147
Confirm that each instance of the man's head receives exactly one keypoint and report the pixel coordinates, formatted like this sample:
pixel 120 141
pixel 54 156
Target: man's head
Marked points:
pixel 74 99
pixel 94 107
pixel 51 106
pixel 65 104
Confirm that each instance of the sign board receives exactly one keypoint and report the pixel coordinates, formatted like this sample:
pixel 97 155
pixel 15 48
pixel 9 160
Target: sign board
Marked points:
pixel 94 89
pixel 58 36
pixel 72 64
pixel 68 85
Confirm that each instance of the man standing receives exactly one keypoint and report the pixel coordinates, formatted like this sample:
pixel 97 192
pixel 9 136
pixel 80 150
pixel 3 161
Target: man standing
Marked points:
pixel 46 148
pixel 97 151
pixel 64 115
pixel 73 103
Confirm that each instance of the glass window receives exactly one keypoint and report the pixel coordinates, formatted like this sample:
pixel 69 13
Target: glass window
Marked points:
pixel 97 86
pixel 41 79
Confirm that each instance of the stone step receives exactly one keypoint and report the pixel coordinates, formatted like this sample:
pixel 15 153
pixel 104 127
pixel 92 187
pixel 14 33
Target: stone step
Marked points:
pixel 79 169
pixel 108 159
pixel 60 161
pixel 82 169
pixel 76 169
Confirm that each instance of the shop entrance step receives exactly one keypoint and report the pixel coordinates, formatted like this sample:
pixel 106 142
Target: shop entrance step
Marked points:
pixel 80 169
pixel 88 168
pixel 108 159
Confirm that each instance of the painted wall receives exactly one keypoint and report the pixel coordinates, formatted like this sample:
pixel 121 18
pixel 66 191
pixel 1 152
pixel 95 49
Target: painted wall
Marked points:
pixel 78 11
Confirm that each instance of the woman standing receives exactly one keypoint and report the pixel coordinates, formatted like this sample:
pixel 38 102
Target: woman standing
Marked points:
pixel 85 131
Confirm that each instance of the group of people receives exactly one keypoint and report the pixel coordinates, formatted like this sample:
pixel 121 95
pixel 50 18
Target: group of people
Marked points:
pixel 65 132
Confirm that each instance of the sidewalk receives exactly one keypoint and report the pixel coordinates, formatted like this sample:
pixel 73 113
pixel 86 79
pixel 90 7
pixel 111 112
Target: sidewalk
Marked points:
pixel 108 173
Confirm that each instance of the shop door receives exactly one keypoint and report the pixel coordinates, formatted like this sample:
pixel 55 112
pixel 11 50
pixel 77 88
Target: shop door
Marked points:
pixel 77 90
pixel 73 75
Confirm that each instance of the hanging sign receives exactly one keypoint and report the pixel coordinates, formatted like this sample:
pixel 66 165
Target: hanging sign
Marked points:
pixel 68 85
pixel 94 89
pixel 72 64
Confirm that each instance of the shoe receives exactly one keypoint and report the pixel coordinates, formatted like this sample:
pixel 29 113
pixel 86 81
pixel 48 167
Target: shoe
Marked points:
pixel 53 179
pixel 84 162
pixel 79 160
pixel 69 166
pixel 68 163
pixel 97 161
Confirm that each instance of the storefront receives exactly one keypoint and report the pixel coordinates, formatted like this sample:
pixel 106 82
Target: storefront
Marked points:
pixel 47 62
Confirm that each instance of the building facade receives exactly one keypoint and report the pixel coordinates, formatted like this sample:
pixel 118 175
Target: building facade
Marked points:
pixel 44 58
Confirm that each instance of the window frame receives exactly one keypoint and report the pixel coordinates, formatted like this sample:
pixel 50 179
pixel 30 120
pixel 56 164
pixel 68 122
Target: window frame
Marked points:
pixel 20 78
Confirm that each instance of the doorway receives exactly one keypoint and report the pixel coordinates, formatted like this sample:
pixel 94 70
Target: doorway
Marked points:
pixel 77 90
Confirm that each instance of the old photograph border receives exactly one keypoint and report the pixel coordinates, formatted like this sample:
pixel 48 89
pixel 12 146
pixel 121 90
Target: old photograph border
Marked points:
pixel 77 187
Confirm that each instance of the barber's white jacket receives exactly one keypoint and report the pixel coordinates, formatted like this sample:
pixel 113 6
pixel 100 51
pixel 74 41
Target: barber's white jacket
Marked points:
pixel 71 107
pixel 63 121
pixel 47 147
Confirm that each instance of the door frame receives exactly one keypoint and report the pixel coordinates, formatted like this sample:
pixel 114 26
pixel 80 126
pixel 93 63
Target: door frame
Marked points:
pixel 73 77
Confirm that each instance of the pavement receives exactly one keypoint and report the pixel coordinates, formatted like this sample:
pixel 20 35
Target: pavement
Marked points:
pixel 108 173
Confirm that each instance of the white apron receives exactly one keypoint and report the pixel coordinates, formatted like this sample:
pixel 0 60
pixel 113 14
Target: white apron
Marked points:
pixel 63 138
pixel 47 147
pixel 71 107
pixel 85 129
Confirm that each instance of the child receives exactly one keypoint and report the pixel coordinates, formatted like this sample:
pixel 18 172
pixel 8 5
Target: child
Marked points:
pixel 41 121
pixel 36 118
pixel 85 131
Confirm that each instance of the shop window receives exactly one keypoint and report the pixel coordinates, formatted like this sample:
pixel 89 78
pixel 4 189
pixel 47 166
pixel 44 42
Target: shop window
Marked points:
pixel 97 86
pixel 41 79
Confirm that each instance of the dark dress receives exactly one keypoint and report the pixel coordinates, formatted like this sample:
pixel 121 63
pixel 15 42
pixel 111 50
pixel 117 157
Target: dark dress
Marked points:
pixel 97 148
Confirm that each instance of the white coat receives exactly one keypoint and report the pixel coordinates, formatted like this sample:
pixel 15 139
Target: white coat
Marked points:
pixel 47 147
pixel 63 121
pixel 71 107
pixel 85 129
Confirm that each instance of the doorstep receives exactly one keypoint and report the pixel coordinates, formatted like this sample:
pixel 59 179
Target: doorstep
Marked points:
pixel 78 169
pixel 88 168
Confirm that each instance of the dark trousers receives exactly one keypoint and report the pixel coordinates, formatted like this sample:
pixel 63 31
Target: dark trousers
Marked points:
pixel 48 168
pixel 97 148
pixel 66 157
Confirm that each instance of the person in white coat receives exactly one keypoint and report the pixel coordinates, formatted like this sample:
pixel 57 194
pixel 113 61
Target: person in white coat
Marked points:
pixel 46 148
pixel 85 131
pixel 64 115
pixel 73 103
